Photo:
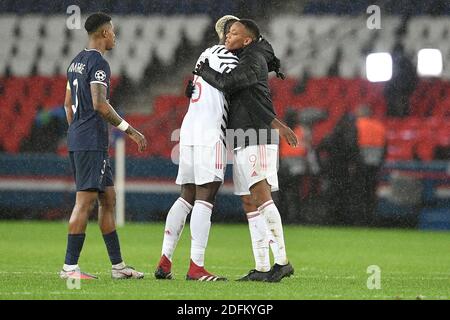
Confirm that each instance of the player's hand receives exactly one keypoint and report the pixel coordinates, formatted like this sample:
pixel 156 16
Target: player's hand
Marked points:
pixel 285 132
pixel 289 135
pixel 280 75
pixel 275 66
pixel 200 67
pixel 137 137
pixel 189 91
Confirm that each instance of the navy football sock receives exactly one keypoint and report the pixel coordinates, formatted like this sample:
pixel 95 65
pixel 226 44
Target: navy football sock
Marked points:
pixel 113 247
pixel 74 246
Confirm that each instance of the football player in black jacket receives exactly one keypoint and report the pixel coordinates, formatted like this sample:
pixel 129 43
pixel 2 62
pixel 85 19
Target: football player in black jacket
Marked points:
pixel 251 120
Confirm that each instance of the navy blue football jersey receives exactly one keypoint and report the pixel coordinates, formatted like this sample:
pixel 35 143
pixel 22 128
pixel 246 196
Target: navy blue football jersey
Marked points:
pixel 88 130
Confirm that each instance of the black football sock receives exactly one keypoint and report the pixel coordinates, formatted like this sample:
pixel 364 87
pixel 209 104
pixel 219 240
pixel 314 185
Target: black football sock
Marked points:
pixel 113 247
pixel 74 246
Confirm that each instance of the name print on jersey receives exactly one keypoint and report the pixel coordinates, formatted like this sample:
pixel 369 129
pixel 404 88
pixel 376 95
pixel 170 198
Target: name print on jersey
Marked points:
pixel 77 67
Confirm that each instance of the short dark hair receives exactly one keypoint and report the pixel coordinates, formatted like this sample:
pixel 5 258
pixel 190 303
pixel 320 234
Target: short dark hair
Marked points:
pixel 95 21
pixel 252 27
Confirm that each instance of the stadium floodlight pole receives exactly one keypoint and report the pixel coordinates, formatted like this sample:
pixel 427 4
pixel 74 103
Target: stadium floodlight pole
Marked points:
pixel 120 181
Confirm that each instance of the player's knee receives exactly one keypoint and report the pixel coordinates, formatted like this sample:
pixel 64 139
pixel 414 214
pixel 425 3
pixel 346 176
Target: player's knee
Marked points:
pixel 85 205
pixel 247 204
pixel 108 203
pixel 188 193
pixel 78 222
pixel 208 197
pixel 260 193
pixel 207 192
pixel 107 200
pixel 259 199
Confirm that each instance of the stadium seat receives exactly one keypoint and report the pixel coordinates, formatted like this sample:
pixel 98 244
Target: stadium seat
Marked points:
pixel 7 26
pixel 195 28
pixel 152 27
pixel 128 28
pixel 135 69
pixel 30 27
pixel 52 48
pixel 305 44
pixel 55 28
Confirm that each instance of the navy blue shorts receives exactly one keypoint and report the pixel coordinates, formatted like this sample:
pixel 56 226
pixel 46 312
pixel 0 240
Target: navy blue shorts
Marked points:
pixel 92 170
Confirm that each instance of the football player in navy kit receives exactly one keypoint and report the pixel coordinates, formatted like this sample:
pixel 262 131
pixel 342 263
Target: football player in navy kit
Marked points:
pixel 88 113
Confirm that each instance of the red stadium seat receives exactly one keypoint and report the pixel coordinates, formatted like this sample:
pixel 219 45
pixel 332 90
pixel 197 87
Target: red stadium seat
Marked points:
pixel 443 137
pixel 426 144
pixel 400 151
pixel 19 100
pixel 282 88
pixel 409 137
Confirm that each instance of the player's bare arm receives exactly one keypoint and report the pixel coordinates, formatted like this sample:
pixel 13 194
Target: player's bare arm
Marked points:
pixel 285 132
pixel 68 105
pixel 102 106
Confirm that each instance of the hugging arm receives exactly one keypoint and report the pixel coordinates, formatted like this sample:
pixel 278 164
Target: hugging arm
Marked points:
pixel 243 76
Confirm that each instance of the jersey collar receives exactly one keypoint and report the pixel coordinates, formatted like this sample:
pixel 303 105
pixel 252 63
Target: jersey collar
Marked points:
pixel 86 49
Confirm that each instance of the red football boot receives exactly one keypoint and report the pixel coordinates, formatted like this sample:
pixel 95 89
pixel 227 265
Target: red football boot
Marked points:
pixel 200 274
pixel 163 270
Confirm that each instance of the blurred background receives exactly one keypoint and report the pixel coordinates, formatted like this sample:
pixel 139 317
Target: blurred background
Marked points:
pixel 368 94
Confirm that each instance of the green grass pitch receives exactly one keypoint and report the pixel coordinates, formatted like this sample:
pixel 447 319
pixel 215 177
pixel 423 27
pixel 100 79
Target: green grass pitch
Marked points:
pixel 330 263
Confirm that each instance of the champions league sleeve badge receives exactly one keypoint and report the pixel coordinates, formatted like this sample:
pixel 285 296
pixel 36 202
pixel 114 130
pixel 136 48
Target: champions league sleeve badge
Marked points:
pixel 100 75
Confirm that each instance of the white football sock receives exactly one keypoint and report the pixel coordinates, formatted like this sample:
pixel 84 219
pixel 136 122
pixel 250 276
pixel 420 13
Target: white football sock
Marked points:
pixel 70 267
pixel 200 225
pixel 176 218
pixel 273 220
pixel 260 241
pixel 119 266
pixel 272 241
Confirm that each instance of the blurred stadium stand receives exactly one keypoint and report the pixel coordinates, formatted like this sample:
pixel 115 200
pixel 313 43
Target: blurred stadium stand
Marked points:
pixel 140 7
pixel 322 46
pixel 37 49
pixel 394 7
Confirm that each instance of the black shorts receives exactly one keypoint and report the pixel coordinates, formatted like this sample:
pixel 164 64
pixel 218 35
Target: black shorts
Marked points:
pixel 92 170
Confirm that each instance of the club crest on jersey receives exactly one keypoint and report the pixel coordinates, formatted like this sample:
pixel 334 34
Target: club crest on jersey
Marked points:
pixel 100 75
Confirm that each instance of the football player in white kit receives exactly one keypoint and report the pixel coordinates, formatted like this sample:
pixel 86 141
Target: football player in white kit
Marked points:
pixel 203 160
pixel 256 148
pixel 201 168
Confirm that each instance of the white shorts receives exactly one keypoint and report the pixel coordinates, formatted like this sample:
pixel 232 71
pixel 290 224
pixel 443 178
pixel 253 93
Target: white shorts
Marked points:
pixel 254 164
pixel 202 164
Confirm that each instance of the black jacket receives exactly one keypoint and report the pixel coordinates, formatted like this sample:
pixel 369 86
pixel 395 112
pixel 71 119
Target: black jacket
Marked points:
pixel 247 89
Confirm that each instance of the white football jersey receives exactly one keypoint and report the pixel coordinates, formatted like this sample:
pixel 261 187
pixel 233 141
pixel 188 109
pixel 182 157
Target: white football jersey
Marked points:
pixel 206 120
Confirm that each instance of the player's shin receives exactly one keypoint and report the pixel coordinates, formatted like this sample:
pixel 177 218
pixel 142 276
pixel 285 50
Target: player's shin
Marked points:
pixel 74 245
pixel 175 221
pixel 272 241
pixel 260 241
pixel 113 246
pixel 273 220
pixel 200 226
